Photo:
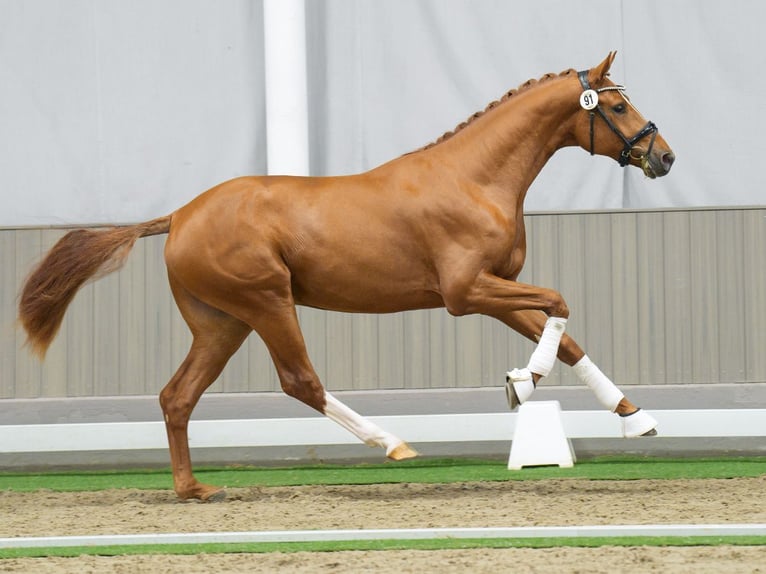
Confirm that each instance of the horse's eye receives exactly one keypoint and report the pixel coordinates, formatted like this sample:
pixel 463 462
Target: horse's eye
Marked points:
pixel 619 109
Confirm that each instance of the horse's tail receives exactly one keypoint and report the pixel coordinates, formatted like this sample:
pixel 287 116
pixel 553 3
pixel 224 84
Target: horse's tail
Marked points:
pixel 78 257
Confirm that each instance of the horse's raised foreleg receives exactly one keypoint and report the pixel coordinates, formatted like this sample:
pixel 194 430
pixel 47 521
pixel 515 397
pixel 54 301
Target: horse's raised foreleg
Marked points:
pixel 216 337
pixel 517 305
pixel 531 324
pixel 541 315
pixel 280 331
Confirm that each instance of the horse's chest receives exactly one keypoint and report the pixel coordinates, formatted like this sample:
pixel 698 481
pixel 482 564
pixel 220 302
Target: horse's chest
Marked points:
pixel 509 260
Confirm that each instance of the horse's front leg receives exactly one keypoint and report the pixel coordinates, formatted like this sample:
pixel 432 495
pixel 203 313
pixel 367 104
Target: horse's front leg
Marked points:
pixel 491 295
pixel 519 306
pixel 635 422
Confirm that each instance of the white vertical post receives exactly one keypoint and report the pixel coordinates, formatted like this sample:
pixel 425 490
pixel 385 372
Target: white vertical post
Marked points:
pixel 286 87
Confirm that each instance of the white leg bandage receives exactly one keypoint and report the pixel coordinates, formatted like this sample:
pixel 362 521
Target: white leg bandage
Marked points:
pixel 605 390
pixel 371 434
pixel 544 356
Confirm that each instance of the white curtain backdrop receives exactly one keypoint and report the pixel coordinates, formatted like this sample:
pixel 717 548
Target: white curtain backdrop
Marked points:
pixel 123 110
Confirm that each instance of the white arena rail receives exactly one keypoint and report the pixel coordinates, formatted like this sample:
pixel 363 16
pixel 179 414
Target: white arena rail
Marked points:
pixel 319 431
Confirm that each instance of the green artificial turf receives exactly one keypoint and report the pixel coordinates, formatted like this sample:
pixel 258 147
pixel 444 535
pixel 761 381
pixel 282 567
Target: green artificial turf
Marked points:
pixel 372 545
pixel 416 471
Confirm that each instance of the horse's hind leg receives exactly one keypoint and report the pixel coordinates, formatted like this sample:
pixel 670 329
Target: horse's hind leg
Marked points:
pixel 216 337
pixel 279 329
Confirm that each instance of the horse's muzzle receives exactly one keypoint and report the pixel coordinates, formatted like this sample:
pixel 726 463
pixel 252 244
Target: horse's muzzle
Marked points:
pixel 657 163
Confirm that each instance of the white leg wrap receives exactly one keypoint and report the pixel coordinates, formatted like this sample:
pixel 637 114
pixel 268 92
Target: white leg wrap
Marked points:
pixel 544 356
pixel 371 434
pixel 605 390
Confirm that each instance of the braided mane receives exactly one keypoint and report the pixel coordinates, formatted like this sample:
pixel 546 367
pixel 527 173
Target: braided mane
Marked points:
pixel 522 88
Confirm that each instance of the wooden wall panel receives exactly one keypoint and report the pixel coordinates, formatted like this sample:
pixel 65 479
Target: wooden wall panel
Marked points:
pixel 8 282
pixel 656 297
pixel 754 286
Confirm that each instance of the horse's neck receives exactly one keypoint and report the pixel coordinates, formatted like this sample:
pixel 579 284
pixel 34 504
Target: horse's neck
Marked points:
pixel 506 149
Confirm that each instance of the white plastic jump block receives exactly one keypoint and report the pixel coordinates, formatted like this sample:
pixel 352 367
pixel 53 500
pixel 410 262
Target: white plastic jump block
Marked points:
pixel 539 438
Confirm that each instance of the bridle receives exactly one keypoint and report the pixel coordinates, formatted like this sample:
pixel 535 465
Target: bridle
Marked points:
pixel 589 101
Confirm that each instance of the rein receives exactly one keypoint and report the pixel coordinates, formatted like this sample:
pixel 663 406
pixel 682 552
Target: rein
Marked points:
pixel 589 101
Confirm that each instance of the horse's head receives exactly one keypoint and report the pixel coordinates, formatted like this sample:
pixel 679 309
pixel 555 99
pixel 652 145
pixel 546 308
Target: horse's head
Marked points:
pixel 613 127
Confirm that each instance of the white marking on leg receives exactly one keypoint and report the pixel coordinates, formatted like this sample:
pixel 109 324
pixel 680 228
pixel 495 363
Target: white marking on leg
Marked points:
pixel 544 356
pixel 605 390
pixel 369 433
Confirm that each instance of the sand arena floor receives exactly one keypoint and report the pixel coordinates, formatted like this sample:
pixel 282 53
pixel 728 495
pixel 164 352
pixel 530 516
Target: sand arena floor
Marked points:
pixel 476 504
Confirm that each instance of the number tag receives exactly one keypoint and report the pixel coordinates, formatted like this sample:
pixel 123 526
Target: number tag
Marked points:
pixel 589 99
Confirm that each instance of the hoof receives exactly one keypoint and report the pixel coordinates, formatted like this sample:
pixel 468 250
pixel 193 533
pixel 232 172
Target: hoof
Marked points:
pixel 519 386
pixel 217 496
pixel 203 493
pixel 510 394
pixel 402 451
pixel 638 423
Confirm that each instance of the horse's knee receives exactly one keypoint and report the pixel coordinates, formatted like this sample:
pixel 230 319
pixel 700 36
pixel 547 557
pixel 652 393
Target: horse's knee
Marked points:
pixel 554 304
pixel 305 387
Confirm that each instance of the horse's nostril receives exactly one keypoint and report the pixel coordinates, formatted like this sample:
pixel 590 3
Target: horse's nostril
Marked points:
pixel 667 159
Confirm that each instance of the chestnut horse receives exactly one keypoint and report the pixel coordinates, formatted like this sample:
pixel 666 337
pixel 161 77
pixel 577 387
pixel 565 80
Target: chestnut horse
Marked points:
pixel 439 227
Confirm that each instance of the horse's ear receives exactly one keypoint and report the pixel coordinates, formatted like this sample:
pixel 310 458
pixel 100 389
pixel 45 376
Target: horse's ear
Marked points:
pixel 600 72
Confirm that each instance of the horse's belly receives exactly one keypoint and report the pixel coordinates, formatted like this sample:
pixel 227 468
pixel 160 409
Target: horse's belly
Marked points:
pixel 364 291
